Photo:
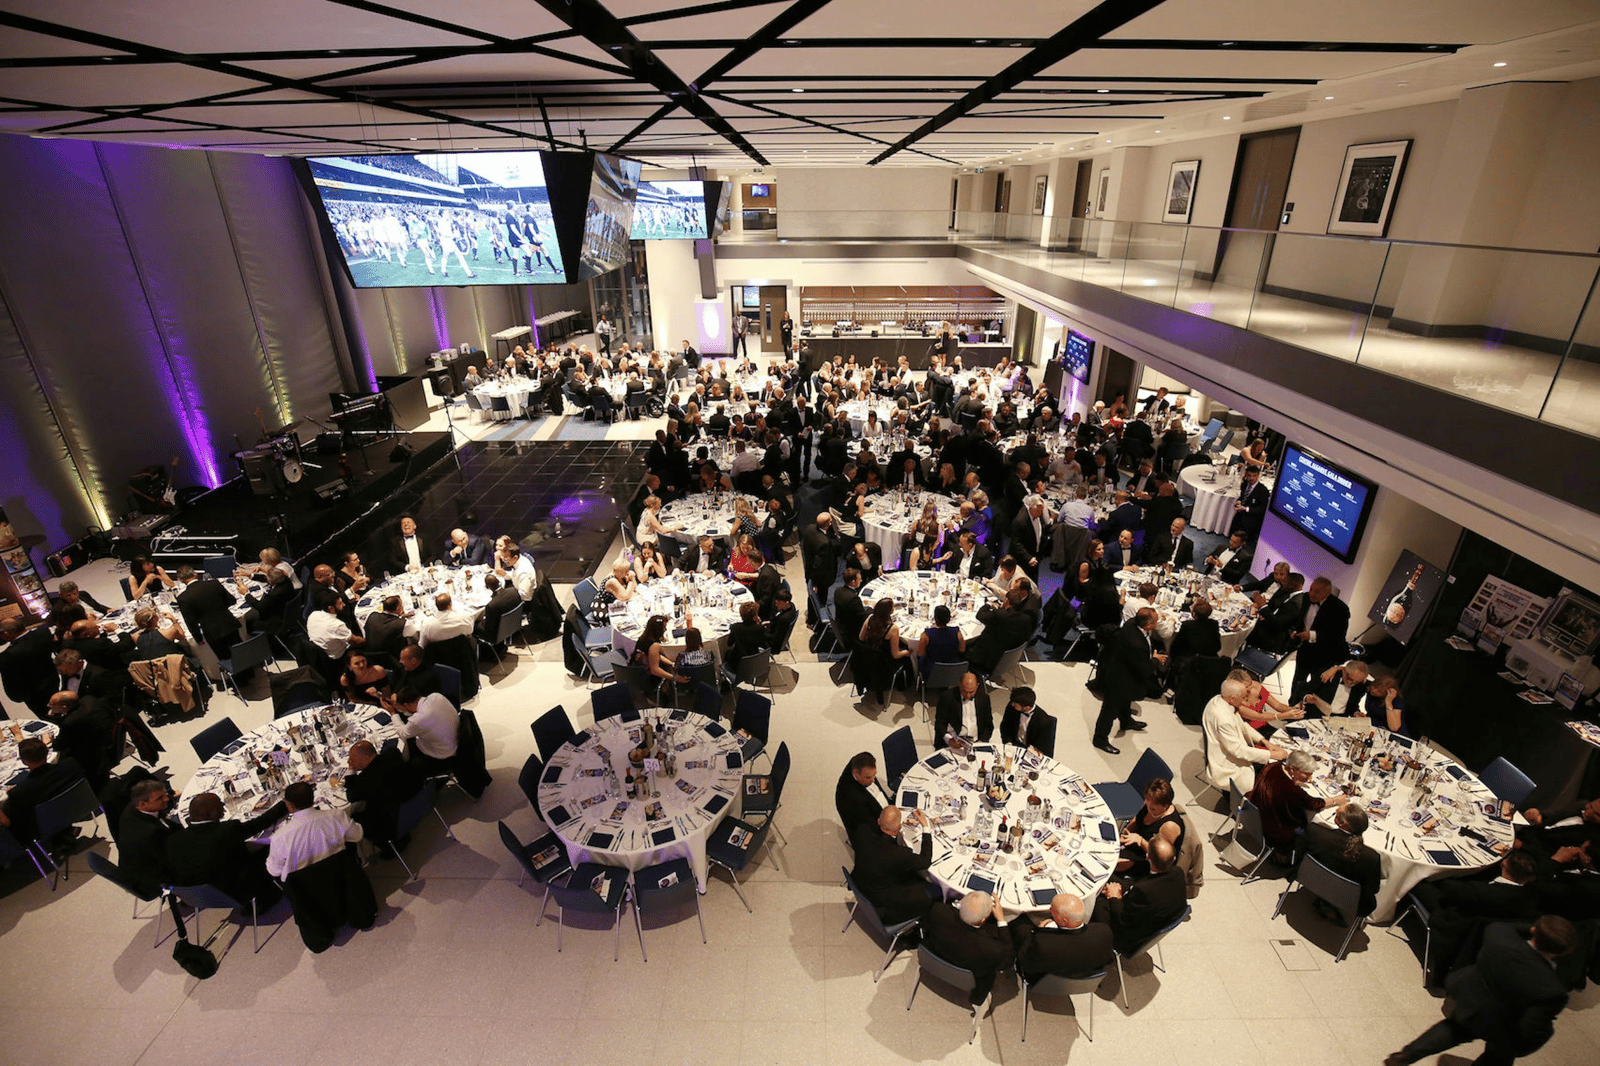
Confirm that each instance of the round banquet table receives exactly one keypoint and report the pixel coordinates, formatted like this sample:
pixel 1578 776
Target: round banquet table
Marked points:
pixel 416 591
pixel 1051 857
pixel 1460 833
pixel 856 412
pixel 119 627
pixel 887 518
pixel 917 592
pixel 704 514
pixel 713 599
pixel 1213 500
pixel 291 743
pixel 1231 610
pixel 518 390
pixel 11 767
pixel 597 823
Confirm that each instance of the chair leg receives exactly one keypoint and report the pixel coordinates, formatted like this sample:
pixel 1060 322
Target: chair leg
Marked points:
pixel 1159 960
pixel 638 924
pixel 916 980
pixel 616 934
pixel 447 830
pixel 1089 1032
pixel 888 956
pixel 1254 873
pixel 1123 981
pixel 543 906
pixel 1357 924
pixel 255 927
pixel 410 876
pixel 851 916
pixel 561 926
pixel 1282 898
pixel 1024 1011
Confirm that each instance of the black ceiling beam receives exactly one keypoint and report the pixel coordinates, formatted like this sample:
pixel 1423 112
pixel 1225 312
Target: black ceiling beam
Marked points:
pixel 789 18
pixel 1179 44
pixel 817 123
pixel 1093 25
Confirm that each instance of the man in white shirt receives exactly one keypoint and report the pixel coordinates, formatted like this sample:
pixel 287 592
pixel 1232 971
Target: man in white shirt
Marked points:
pixel 326 630
pixel 307 835
pixel 406 554
pixel 431 724
pixel 1346 697
pixel 1233 748
pixel 515 567
pixel 744 461
pixel 446 624
pixel 1076 512
pixel 1166 621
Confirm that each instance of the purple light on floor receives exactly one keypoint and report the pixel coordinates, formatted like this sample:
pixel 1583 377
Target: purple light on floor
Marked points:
pixel 585 507
pixel 1203 309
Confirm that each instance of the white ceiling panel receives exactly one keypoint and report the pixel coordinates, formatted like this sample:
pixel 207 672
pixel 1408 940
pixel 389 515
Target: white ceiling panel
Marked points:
pixel 717 25
pixel 945 18
pixel 511 19
pixel 302 68
pixel 1413 21
pixel 22 44
pixel 499 67
pixel 983 62
pixel 109 84
pixel 35 120
pixel 331 112
pixel 1185 63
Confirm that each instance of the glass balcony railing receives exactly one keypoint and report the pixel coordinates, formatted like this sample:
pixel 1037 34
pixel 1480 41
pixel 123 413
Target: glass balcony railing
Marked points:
pixel 1516 329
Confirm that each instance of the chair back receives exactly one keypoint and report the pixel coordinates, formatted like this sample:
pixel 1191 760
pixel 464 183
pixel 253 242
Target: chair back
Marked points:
pixel 1009 660
pixel 753 666
pixel 106 869
pixel 931 965
pixel 510 626
pixel 414 810
pixel 611 700
pixel 1506 781
pixel 866 912
pixel 551 730
pixel 528 781
pixel 473 403
pixel 298 698
pixel 249 654
pixel 1323 883
pixel 67 807
pixel 449 683
pixel 752 712
pixel 1053 984
pixel 780 771
pixel 703 673
pixel 584 593
pixel 221 567
pixel 500 404
pixel 214 738
pixel 583 898
pixel 944 675
pixel 647 883
pixel 708 701
pixel 782 633
pixel 205 897
pixel 1149 767
pixel 899 755
pixel 1156 937
pixel 1250 825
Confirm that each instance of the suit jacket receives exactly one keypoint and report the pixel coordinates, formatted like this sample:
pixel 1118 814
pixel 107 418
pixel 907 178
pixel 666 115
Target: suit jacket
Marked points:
pixel 205 604
pixel 1003 629
pixel 1116 558
pixel 217 853
pixel 948 715
pixel 26 669
pixel 505 600
pixel 1129 516
pixel 1025 544
pixel 890 874
pixel 1328 631
pixel 102 652
pixel 1237 568
pixel 716 564
pixel 142 848
pixel 849 611
pixel 387 782
pixel 47 781
pixel 394 553
pixel 270 605
pixel 1255 512
pixel 1041 729
pixel 983 949
pixel 386 633
pixel 1064 952
pixel 84 735
pixel 1147 906
pixel 982 561
pixel 478 552
pixel 1198 636
pixel 857 804
pixel 1510 995
pixel 1159 550
pixel 1160 511
pixel 1127 671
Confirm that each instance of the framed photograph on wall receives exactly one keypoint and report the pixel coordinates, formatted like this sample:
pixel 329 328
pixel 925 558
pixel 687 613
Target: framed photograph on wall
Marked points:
pixel 1105 190
pixel 1368 184
pixel 1039 185
pixel 1180 191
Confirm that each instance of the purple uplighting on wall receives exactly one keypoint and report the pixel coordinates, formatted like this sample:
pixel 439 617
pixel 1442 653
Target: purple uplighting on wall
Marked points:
pixel 441 324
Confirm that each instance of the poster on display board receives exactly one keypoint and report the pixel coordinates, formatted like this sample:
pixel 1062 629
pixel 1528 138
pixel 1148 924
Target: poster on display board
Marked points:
pixel 1509 609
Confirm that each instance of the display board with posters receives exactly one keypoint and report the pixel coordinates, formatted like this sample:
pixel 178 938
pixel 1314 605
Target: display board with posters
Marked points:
pixel 22 592
pixel 1508 610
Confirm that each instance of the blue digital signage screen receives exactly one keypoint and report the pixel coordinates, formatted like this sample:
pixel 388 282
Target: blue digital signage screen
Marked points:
pixel 1324 502
pixel 1077 357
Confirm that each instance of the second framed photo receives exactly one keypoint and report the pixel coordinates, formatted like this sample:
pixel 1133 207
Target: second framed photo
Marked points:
pixel 1364 199
pixel 1180 191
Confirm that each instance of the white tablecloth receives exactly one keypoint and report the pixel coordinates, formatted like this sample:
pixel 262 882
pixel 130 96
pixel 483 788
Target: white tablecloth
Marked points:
pixel 1230 610
pixel 1410 855
pixel 917 592
pixel 517 390
pixel 1213 501
pixel 887 518
pixel 597 823
pixel 293 742
pixel 1050 856
pixel 416 592
pixel 856 412
pixel 713 599
pixel 705 514
pixel 11 732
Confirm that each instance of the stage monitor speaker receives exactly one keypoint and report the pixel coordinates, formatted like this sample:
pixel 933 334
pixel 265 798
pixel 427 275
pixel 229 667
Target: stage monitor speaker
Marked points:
pixel 260 469
pixel 401 453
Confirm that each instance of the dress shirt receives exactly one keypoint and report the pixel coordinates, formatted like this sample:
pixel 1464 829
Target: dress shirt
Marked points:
pixel 965 569
pixel 1164 618
pixel 307 837
pixel 70 684
pixel 1076 513
pixel 1311 616
pixel 1342 695
pixel 443 626
pixel 433 726
pixel 744 462
pixel 969 718
pixel 1022 727
pixel 525 577
pixel 328 633
pixel 1224 557
pixel 413 548
pixel 1177 546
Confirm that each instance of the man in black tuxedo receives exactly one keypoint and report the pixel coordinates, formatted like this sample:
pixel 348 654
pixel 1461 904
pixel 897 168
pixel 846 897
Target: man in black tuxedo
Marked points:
pixel 379 783
pixel 1320 637
pixel 1003 629
pixel 386 630
pixel 403 550
pixel 1509 997
pixel 503 600
pixel 1122 551
pixel 1127 670
pixel 705 555
pixel 973 936
pixel 1064 945
pixel 970 559
pixel 205 606
pixel 45 780
pixel 849 613
pixel 1232 561
pixel 1138 911
pixel 1026 725
pixel 963 711
pixel 1250 509
pixel 413 673
pixel 267 609
pixel 889 873
pixel 1125 515
pixel 467 549
pixel 859 796
pixel 212 851
pixel 142 839
pixel 26 670
pixel 85 638
pixel 1030 535
pixel 75 674
pixel 1171 548
pixel 819 549
pixel 1200 635
pixel 1162 506
pixel 1457 906
pixel 1280 615
pixel 84 728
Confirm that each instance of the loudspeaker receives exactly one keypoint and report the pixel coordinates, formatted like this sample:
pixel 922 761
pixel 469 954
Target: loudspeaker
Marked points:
pixel 401 453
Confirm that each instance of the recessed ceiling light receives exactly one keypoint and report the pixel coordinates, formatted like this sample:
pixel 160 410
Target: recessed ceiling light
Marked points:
pixel 797 90
pixel 1102 90
pixel 1158 131
pixel 1500 64
pixel 1227 118
pixel 1402 84
pixel 981 40
pixel 1327 98
pixel 1016 44
pixel 1228 44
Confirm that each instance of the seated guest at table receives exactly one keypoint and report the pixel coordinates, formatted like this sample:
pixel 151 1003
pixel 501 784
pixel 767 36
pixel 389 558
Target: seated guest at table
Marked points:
pixel 44 779
pixel 924 552
pixel 747 560
pixel 144 829
pixel 970 559
pixel 1171 548
pixel 1145 596
pixel 385 630
pixel 647 654
pixel 1232 561
pixel 431 725
pixel 1267 588
pixel 1234 748
pixel 85 726
pixel 503 600
pixel 889 873
pixel 1026 725
pixel 156 635
pixel 1386 707
pixel 413 673
pixel 378 785
pixel 145 578
pixel 748 636
pixel 1200 635
pixel 272 559
pixel 1158 819
pixel 446 623
pixel 879 651
pixel 859 796
pixel 1342 692
pixel 403 551
pixel 515 567
pixel 467 549
pixel 471 379
pixel 706 556
pixel 1165 505
pixel 206 609
pixel 1458 907
pixel 265 614
pixel 362 681
pixel 26 668
pixel 1125 515
pixel 963 711
pixel 209 850
pixel 351 577
pixel 1276 619
pixel 650 525
pixel 1564 839
pixel 1285 805
pixel 848 610
pixel 709 479
pixel 1340 849
pixel 622 585
pixel 309 835
pixel 1008 575
pixel 1142 483
pixel 972 935
pixel 70 604
pixel 1004 628
pixel 1142 909
pixel 694 655
pixel 87 639
pixel 76 674
pixel 1064 944
pixel 866 557
pixel 940 642
pixel 326 629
